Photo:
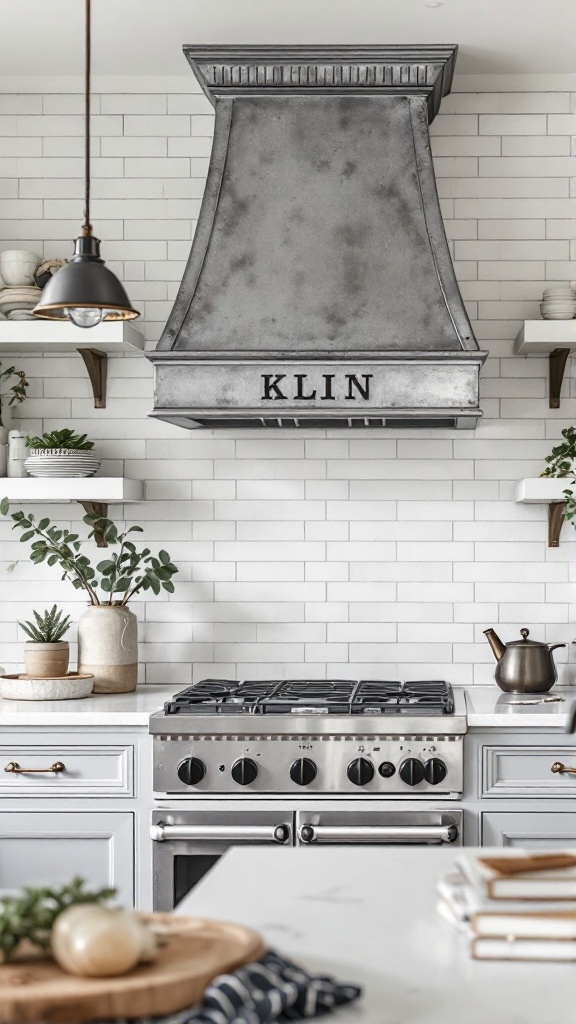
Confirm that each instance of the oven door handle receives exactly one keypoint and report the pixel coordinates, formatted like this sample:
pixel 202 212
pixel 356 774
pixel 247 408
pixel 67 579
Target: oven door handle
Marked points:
pixel 224 833
pixel 378 834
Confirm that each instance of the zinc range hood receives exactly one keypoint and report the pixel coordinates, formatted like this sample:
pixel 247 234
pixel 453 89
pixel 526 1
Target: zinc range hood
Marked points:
pixel 319 290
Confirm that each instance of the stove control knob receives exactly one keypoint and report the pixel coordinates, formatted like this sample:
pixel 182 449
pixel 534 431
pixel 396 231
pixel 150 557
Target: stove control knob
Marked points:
pixel 303 771
pixel 244 771
pixel 191 771
pixel 387 769
pixel 360 771
pixel 411 771
pixel 435 771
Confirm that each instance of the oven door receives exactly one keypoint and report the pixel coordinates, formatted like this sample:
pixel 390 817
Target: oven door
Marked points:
pixel 186 844
pixel 378 827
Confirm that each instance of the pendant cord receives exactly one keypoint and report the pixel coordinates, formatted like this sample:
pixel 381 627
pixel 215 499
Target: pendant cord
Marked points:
pixel 87 227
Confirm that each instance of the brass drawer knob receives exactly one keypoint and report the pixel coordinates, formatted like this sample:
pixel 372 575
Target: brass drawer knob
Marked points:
pixel 15 769
pixel 560 769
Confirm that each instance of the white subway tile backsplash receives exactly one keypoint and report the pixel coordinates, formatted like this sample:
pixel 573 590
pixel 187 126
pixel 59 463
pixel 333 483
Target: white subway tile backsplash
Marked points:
pixel 512 124
pixel 304 552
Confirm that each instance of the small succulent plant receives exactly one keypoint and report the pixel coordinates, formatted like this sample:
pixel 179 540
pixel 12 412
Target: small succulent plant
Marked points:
pixel 49 628
pixel 60 439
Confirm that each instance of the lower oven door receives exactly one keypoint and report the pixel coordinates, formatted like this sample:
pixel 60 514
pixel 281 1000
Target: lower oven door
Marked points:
pixel 186 844
pixel 423 828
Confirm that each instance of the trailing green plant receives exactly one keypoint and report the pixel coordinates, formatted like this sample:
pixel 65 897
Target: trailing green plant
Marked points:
pixel 122 575
pixel 49 628
pixel 60 439
pixel 15 392
pixel 562 463
pixel 562 460
pixel 31 915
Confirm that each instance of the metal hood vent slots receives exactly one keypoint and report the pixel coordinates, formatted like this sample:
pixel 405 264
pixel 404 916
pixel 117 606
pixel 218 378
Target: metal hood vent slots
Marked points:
pixel 319 289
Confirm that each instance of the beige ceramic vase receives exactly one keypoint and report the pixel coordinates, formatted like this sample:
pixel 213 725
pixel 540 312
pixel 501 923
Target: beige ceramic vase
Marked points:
pixel 46 661
pixel 108 647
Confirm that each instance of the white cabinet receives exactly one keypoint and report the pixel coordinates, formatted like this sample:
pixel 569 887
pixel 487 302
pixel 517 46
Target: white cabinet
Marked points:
pixel 511 795
pixel 534 830
pixel 51 847
pixel 90 819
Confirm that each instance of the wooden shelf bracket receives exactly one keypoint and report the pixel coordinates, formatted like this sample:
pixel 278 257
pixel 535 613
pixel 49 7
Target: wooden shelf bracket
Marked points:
pixel 557 364
pixel 96 362
pixel 555 522
pixel 96 508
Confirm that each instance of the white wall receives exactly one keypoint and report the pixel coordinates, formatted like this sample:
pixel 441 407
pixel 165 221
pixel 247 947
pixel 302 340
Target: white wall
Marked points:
pixel 319 552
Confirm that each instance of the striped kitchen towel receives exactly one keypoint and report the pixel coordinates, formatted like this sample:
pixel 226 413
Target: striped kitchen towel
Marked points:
pixel 274 989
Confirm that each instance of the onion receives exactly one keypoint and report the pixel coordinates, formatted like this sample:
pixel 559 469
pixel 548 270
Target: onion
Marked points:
pixel 96 941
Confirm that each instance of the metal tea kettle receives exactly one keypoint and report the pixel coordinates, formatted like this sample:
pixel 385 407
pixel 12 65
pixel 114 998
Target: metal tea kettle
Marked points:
pixel 524 666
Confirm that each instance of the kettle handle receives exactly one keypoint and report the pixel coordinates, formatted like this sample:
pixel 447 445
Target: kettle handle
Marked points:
pixel 552 647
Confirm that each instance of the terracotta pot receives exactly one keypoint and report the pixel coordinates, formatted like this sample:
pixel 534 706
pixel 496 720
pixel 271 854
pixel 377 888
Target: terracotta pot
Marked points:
pixel 108 647
pixel 46 661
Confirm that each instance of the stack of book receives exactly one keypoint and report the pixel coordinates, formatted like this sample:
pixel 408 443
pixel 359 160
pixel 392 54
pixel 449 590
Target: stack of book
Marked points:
pixel 515 905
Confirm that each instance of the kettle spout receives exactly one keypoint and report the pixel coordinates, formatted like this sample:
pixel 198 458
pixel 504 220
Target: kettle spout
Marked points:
pixel 495 642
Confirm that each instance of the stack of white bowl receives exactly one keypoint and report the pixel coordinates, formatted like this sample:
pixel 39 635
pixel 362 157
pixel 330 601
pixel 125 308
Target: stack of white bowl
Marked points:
pixel 558 303
pixel 18 298
pixel 61 462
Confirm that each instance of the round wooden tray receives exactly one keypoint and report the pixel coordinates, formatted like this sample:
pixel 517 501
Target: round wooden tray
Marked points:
pixel 37 991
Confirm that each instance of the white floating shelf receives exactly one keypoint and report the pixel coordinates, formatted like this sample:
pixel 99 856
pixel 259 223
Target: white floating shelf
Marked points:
pixel 19 337
pixel 544 490
pixel 541 490
pixel 555 338
pixel 100 489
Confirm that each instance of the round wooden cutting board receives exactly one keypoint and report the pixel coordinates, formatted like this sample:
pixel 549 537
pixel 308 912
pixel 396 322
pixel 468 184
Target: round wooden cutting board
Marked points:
pixel 37 991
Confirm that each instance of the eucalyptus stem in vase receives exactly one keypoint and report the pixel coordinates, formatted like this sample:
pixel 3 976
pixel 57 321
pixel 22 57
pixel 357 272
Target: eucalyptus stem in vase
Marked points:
pixel 107 631
pixel 13 386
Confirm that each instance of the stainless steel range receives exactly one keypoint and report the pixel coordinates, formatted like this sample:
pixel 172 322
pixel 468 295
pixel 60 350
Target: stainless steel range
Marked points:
pixel 302 762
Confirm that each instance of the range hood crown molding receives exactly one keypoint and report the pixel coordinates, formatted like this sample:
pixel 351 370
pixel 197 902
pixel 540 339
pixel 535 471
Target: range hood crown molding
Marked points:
pixel 319 290
pixel 425 70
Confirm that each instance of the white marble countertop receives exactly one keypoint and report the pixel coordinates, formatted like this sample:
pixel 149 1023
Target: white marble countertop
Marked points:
pixel 488 708
pixel 367 915
pixel 482 702
pixel 117 709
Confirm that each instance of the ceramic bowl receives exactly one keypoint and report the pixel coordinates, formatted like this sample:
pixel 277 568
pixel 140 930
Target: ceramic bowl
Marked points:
pixel 17 267
pixel 69 687
pixel 22 298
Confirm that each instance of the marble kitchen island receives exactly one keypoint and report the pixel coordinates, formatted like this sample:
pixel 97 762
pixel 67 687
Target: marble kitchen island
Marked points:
pixel 367 915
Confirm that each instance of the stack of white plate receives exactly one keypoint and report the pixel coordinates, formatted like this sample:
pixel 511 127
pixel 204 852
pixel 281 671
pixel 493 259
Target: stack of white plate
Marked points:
pixel 558 303
pixel 61 462
pixel 17 303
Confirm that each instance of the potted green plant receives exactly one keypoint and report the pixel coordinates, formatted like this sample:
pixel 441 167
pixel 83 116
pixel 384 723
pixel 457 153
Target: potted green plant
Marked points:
pixel 13 386
pixel 61 453
pixel 46 654
pixel 107 630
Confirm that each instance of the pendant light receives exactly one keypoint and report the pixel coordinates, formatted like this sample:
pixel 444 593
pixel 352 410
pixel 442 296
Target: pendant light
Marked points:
pixel 84 290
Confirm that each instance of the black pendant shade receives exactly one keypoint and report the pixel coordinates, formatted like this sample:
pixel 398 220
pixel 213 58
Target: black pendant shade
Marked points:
pixel 85 291
pixel 85 284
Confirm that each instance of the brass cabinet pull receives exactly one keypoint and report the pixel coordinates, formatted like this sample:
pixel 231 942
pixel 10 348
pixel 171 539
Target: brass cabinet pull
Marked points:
pixel 15 768
pixel 560 769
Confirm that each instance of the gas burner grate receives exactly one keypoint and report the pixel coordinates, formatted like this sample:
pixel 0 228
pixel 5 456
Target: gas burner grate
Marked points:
pixel 307 697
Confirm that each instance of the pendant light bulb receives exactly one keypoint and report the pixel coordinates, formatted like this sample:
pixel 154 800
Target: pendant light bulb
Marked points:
pixel 85 291
pixel 83 316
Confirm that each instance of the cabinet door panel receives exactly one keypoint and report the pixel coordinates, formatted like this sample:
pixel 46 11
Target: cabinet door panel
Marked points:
pixel 526 771
pixel 91 769
pixel 534 830
pixel 51 847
